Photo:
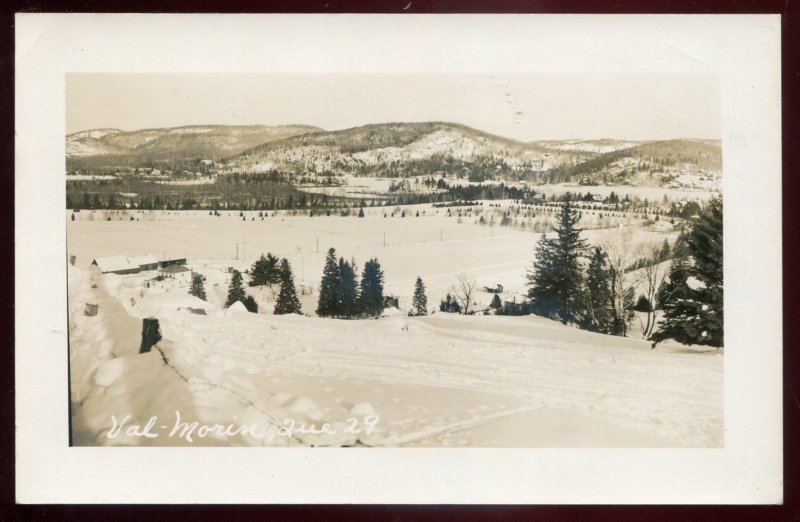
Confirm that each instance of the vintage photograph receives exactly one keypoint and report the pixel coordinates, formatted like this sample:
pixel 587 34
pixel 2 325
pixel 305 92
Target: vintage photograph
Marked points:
pixel 395 260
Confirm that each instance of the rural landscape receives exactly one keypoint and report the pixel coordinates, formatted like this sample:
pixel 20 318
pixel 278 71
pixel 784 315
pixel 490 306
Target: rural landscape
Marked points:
pixel 421 284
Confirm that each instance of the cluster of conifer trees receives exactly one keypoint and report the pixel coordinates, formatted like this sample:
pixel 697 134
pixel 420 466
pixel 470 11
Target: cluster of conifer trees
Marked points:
pixel 267 270
pixel 342 295
pixel 592 298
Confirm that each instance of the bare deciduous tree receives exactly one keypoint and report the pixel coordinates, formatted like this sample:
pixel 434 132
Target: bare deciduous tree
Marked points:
pixel 463 290
pixel 618 245
pixel 651 277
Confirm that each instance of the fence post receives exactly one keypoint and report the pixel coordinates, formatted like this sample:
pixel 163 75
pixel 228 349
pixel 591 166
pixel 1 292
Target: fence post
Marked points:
pixel 151 334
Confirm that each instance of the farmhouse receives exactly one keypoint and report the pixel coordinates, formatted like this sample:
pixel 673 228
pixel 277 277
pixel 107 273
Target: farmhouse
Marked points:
pixel 177 272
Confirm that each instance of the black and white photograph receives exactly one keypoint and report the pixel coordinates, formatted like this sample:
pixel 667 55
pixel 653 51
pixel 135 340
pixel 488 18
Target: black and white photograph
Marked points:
pixel 395 260
pixel 381 259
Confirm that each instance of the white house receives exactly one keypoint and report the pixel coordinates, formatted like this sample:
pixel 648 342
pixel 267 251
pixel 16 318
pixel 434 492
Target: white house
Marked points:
pixel 177 272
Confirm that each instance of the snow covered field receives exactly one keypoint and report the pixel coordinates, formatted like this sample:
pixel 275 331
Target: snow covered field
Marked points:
pixel 441 380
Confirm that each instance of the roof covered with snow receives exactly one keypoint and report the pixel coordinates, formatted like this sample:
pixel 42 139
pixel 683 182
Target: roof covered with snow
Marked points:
pixel 114 264
pixel 143 260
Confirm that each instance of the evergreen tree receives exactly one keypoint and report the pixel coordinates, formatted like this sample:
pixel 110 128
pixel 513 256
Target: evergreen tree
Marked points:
pixel 450 304
pixel 272 272
pixel 597 295
pixel 250 304
pixel 361 212
pixel 259 272
pixel 348 289
pixel 198 289
pixel 235 289
pixel 556 279
pixel 371 295
pixel 543 295
pixel 664 254
pixel 287 302
pixel 496 303
pixel 692 298
pixel 328 303
pixel 419 302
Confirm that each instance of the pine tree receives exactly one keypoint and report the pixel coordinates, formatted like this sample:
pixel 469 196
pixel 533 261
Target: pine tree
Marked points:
pixel 287 302
pixel 235 289
pixel 250 304
pixel 450 304
pixel 328 304
pixel 597 295
pixel 496 302
pixel 361 212
pixel 198 288
pixel 259 272
pixel 272 273
pixel 348 289
pixel 371 295
pixel 693 313
pixel 556 279
pixel 541 291
pixel 664 254
pixel 419 302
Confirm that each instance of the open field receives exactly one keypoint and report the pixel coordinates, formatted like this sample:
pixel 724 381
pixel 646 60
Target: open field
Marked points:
pixel 436 247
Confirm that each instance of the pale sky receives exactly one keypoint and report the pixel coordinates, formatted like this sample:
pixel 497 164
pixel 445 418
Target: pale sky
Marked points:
pixel 523 107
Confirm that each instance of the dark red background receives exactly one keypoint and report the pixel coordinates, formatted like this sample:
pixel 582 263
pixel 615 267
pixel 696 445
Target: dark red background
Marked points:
pixel 789 9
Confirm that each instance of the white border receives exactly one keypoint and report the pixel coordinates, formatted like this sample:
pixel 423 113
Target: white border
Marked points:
pixel 743 50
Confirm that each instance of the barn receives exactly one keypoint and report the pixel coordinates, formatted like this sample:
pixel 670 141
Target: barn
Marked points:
pixel 148 262
pixel 115 265
pixel 178 261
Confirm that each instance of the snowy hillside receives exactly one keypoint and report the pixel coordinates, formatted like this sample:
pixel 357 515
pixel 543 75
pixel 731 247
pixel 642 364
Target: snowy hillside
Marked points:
pixel 196 141
pixel 382 145
pixel 442 380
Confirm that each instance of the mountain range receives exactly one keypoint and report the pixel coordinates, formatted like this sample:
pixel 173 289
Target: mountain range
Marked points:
pixel 397 149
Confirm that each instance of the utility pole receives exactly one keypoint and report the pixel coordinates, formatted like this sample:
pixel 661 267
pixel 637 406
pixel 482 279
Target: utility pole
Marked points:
pixel 384 239
pixel 237 251
pixel 317 244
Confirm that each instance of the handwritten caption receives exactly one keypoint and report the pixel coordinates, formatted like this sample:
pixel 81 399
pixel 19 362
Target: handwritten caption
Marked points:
pixel 190 431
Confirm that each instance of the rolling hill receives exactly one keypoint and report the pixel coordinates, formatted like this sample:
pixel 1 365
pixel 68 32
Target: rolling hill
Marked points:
pixel 196 141
pixel 405 150
pixel 385 149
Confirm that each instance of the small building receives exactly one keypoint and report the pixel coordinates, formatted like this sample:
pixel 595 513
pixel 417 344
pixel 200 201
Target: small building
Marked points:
pixel 144 263
pixel 391 301
pixel 177 272
pixel 115 265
